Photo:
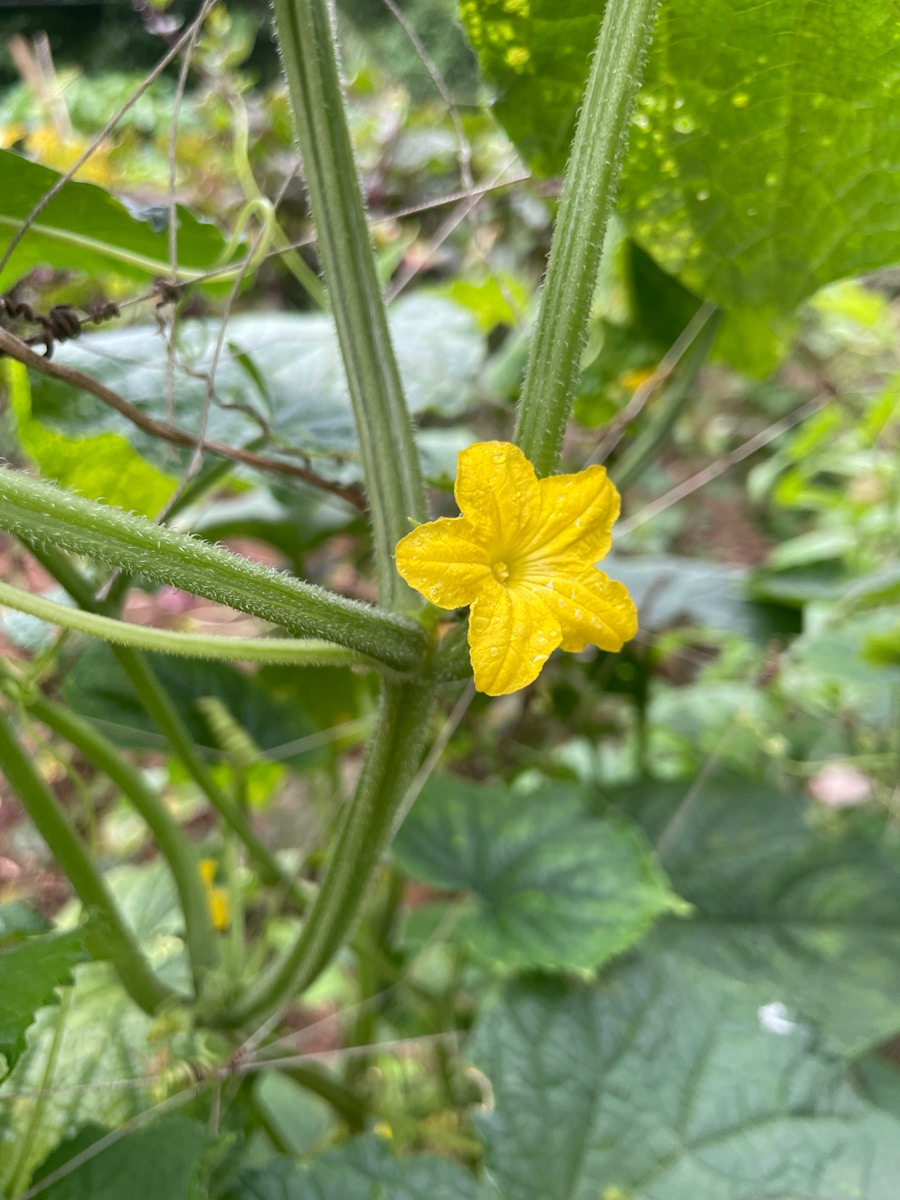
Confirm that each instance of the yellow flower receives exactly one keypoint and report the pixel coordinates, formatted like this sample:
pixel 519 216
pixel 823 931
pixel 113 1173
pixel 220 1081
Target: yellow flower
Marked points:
pixel 522 554
pixel 219 905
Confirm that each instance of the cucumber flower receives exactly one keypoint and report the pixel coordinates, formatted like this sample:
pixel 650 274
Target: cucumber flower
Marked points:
pixel 522 554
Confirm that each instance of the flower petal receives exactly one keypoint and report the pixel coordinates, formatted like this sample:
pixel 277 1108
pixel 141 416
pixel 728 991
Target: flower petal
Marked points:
pixel 577 514
pixel 591 609
pixel 511 635
pixel 445 561
pixel 496 488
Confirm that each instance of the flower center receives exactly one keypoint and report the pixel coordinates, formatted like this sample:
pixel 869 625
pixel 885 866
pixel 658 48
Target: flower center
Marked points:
pixel 501 571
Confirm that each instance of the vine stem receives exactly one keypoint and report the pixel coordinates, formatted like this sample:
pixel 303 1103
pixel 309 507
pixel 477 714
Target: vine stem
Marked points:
pixel 297 652
pixel 554 364
pixel 107 928
pixel 389 455
pixel 390 765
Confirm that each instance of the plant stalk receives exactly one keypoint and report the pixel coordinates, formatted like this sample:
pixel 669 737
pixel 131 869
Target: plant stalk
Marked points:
pixel 389 768
pixel 298 652
pixel 390 459
pixel 554 364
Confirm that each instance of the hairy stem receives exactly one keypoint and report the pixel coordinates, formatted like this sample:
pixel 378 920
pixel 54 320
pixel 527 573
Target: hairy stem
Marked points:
pixel 390 765
pixel 298 652
pixel 554 363
pixel 46 515
pixel 389 455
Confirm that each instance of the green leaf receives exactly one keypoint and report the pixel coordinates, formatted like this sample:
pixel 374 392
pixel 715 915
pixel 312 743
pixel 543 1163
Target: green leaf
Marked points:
pixel 299 1118
pixel 364 1169
pixel 668 1082
pixel 883 649
pixel 537 52
pixel 797 902
pixel 837 652
pixel 84 228
pixel 163 1160
pixel 30 972
pixel 295 396
pixel 751 117
pixel 551 885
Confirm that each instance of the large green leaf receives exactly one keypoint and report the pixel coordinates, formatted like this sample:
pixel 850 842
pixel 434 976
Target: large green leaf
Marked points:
pixel 670 1083
pixel 799 903
pixel 84 228
pixel 753 118
pixel 163 1160
pixel 30 972
pixel 551 885
pixel 284 367
pixel 536 52
pixel 364 1169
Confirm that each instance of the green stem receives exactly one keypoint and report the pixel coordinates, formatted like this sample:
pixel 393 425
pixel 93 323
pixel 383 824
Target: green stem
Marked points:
pixel 296 652
pixel 176 849
pixel 42 513
pixel 389 768
pixel 389 456
pixel 107 929
pixel 554 364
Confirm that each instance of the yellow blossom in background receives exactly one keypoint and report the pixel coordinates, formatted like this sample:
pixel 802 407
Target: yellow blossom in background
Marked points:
pixel 219 906
pixel 523 555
